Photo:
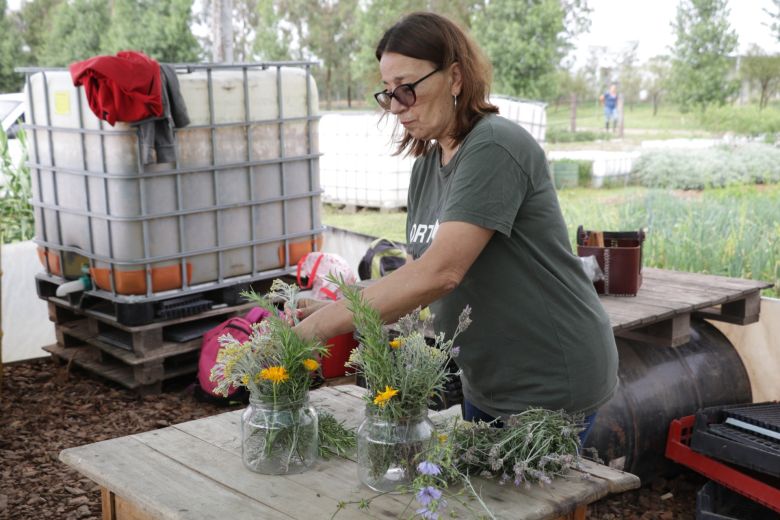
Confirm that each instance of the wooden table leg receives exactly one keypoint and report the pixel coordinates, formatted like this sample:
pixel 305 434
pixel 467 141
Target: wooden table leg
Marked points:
pixel 578 514
pixel 109 506
pixel 117 508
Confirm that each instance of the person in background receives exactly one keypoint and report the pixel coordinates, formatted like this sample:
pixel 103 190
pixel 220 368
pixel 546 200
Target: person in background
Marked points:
pixel 610 101
pixel 484 229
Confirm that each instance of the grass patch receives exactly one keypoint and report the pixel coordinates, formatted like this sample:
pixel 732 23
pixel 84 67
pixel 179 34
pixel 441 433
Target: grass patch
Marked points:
pixel 669 121
pixel 368 221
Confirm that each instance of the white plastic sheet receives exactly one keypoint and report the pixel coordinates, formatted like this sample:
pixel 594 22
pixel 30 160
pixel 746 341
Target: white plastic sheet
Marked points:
pixel 26 325
pixel 759 347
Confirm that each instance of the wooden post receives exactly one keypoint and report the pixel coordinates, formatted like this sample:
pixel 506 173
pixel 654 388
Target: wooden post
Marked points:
pixel 620 115
pixel 573 112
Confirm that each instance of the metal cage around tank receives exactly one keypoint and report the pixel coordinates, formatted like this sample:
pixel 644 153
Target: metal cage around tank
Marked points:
pixel 240 202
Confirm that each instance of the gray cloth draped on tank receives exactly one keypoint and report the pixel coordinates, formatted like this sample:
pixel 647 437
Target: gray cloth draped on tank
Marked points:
pixel 157 134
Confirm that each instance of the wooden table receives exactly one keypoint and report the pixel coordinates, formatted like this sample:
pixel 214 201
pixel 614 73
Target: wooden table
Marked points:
pixel 193 471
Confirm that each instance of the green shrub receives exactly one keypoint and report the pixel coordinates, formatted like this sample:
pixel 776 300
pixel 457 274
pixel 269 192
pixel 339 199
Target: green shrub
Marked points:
pixel 585 173
pixel 555 135
pixel 16 213
pixel 745 120
pixel 711 168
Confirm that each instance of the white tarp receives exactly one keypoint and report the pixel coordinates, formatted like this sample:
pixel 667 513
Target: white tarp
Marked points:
pixel 758 344
pixel 26 325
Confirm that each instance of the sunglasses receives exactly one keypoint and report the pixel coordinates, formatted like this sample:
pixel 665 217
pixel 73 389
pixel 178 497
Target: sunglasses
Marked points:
pixel 404 94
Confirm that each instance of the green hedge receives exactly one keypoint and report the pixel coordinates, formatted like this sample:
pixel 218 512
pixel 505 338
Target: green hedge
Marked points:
pixel 722 166
pixel 556 135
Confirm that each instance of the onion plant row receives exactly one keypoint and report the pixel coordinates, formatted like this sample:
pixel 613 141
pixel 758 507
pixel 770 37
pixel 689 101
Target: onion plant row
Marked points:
pixel 730 232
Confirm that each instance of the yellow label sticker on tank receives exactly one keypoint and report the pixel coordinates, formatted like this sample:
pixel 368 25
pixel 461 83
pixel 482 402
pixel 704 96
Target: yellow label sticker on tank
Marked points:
pixel 62 103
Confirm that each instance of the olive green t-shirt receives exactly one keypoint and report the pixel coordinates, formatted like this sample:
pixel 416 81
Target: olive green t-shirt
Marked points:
pixel 539 336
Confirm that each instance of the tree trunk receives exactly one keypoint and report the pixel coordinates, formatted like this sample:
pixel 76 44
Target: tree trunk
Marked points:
pixel 764 95
pixel 222 31
pixel 620 115
pixel 349 87
pixel 655 104
pixel 573 112
pixel 328 76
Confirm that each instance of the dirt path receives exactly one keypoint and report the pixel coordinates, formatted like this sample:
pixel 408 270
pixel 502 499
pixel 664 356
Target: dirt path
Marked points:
pixel 45 409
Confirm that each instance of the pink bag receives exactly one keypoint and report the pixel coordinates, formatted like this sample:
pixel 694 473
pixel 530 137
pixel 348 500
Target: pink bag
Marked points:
pixel 317 266
pixel 240 327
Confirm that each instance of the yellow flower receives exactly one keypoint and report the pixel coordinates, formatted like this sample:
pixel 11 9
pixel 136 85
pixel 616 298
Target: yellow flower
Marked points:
pixel 382 397
pixel 310 364
pixel 396 343
pixel 275 374
pixel 442 438
pixel 245 380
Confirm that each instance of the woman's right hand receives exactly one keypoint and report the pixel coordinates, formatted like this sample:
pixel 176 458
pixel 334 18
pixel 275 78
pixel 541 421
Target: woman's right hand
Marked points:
pixel 308 306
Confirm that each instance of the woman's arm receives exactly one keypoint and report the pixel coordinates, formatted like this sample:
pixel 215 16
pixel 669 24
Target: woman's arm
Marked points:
pixel 438 271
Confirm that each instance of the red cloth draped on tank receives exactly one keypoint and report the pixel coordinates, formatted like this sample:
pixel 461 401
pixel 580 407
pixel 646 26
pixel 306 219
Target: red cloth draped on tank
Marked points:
pixel 125 87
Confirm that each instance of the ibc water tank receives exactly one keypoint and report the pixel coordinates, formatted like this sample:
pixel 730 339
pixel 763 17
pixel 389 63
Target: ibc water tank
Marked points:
pixel 241 201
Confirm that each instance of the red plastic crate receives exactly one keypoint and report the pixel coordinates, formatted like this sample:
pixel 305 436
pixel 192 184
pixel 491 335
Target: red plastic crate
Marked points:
pixel 678 449
pixel 340 347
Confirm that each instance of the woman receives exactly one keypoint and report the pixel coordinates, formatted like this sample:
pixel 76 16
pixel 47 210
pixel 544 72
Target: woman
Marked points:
pixel 485 229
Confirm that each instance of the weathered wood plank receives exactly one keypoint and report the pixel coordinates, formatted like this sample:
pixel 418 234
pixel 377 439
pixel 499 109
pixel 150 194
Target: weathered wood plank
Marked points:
pixel 321 489
pixel 740 312
pixel 617 480
pixel 133 377
pixel 336 477
pixel 669 276
pixel 158 486
pixel 671 332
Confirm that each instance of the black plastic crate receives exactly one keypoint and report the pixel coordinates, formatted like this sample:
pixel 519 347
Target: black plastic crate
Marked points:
pixel 712 437
pixel 715 502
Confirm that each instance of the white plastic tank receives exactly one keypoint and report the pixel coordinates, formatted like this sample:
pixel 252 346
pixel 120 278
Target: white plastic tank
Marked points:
pixel 358 166
pixel 531 115
pixel 239 197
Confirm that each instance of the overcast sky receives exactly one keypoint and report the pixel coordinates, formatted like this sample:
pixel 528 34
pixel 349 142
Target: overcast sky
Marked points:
pixel 616 22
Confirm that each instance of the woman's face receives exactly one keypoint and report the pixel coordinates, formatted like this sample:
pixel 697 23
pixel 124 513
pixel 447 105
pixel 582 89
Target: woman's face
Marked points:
pixel 432 114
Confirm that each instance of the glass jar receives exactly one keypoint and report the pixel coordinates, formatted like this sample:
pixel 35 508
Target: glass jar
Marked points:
pixel 279 436
pixel 388 449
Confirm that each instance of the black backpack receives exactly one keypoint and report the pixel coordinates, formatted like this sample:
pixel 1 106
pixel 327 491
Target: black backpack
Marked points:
pixel 382 257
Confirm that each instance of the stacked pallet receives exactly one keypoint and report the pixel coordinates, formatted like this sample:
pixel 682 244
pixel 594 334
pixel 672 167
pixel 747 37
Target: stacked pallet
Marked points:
pixel 137 357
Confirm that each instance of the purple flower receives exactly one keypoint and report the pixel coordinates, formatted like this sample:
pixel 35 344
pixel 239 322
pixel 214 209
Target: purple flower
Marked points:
pixel 428 468
pixel 427 514
pixel 427 494
pixel 455 351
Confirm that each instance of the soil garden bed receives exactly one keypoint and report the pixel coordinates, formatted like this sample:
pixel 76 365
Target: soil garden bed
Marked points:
pixel 45 408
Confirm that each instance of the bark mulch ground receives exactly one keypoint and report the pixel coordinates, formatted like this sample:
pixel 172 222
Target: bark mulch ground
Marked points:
pixel 45 408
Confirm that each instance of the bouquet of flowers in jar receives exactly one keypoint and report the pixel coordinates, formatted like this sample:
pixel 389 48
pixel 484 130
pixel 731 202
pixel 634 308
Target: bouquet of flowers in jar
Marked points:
pixel 279 428
pixel 402 376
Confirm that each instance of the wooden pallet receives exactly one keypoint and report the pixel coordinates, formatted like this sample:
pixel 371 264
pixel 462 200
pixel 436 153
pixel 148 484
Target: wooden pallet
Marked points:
pixel 661 312
pixel 139 358
pixel 141 311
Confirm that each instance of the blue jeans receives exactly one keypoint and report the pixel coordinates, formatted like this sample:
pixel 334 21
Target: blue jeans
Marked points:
pixel 472 413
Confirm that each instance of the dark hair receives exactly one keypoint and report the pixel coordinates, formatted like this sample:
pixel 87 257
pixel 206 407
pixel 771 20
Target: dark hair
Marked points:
pixel 431 37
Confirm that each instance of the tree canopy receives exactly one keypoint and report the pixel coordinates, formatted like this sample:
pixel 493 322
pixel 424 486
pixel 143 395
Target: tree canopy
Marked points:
pixel 762 70
pixel 702 56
